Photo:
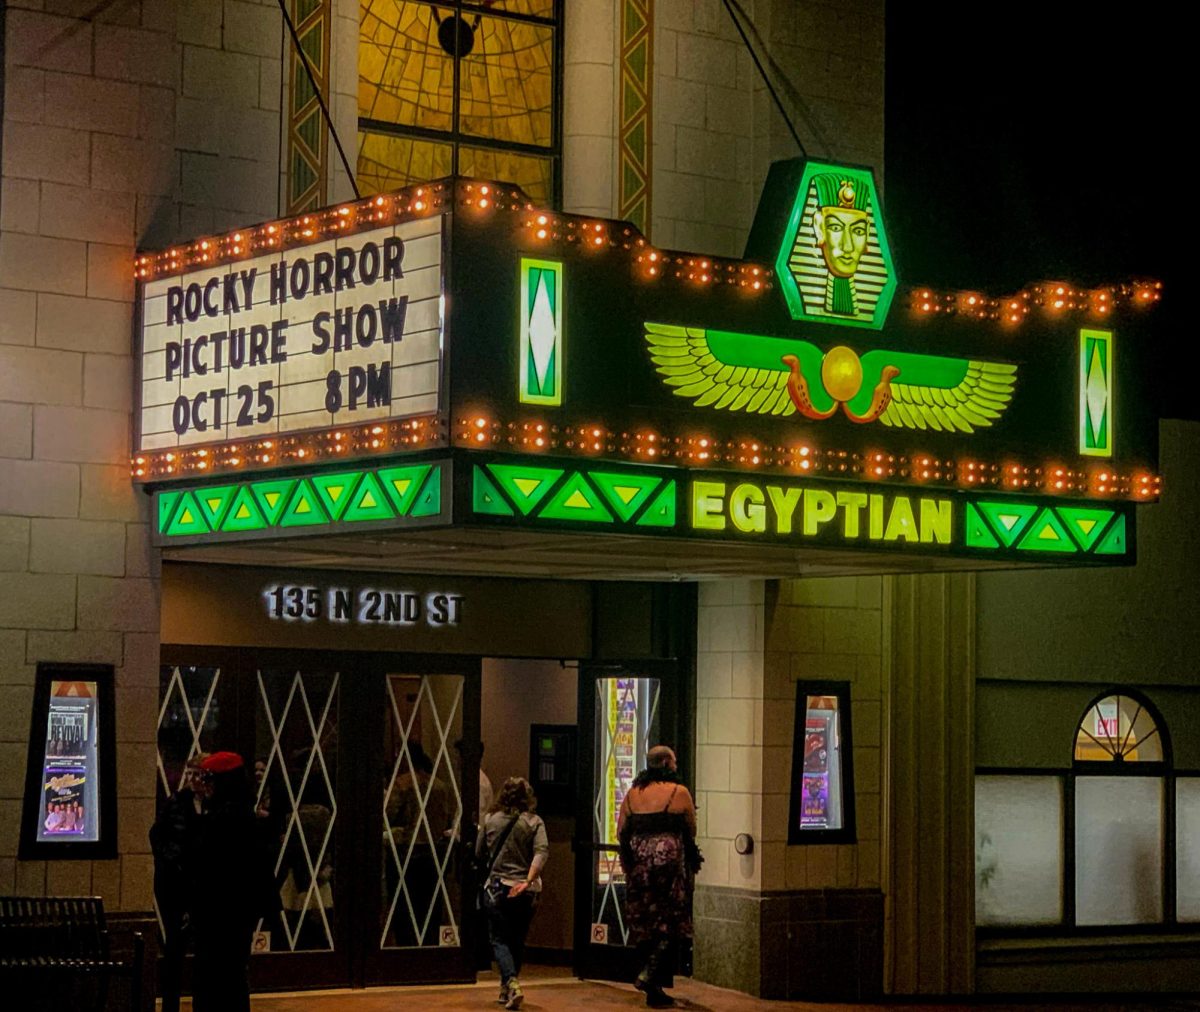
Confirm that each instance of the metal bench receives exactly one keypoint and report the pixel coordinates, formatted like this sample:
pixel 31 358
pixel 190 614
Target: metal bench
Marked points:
pixel 46 941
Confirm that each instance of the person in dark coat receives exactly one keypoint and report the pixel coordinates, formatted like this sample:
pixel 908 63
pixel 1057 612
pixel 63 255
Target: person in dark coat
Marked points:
pixel 230 886
pixel 173 831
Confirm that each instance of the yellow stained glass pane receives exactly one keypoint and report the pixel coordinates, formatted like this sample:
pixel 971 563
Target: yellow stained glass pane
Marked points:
pixel 508 83
pixel 388 163
pixel 404 76
pixel 530 172
pixel 506 80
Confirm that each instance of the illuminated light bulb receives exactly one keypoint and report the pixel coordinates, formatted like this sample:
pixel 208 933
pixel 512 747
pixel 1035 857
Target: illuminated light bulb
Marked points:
pixel 599 240
pixel 483 202
pixel 653 256
pixel 483 189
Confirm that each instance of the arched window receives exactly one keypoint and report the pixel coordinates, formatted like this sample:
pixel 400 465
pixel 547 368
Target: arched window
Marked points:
pixel 1109 836
pixel 1119 728
pixel 1122 810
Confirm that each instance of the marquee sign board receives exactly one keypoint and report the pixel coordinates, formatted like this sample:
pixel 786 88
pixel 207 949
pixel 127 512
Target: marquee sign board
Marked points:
pixel 331 333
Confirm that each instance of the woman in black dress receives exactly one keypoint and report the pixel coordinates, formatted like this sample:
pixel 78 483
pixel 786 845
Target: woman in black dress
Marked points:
pixel 657 830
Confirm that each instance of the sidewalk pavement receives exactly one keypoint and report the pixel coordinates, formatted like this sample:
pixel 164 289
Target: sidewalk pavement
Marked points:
pixel 554 991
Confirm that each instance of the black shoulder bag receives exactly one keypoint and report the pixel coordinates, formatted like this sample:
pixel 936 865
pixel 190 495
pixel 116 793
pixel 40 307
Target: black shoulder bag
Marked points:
pixel 488 896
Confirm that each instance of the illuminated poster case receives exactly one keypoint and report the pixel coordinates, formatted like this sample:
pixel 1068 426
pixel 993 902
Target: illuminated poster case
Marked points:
pixel 70 785
pixel 822 795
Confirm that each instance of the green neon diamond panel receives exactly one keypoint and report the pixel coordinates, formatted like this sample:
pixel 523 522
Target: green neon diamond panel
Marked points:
pixel 526 485
pixel 243 513
pixel 661 512
pixel 834 263
pixel 272 497
pixel 402 485
pixel 976 533
pixel 1114 542
pixel 336 490
pixel 541 332
pixel 486 498
pixel 188 519
pixel 625 493
pixel 576 500
pixel 1008 519
pixel 1086 523
pixel 1096 393
pixel 1047 534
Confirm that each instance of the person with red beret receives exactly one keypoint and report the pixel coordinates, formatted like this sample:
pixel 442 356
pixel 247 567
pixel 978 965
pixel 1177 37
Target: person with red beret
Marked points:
pixel 232 887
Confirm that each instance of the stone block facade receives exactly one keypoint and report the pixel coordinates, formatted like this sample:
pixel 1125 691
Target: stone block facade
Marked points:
pixel 125 126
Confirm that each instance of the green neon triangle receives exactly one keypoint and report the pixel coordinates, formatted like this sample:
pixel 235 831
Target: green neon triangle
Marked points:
pixel 977 534
pixel 370 502
pixel 188 518
pixel 486 498
pixel 526 486
pixel 304 509
pixel 272 497
pixel 167 502
pixel 244 513
pixel 213 503
pixel 1047 534
pixel 336 490
pixel 575 500
pixel 661 512
pixel 1008 518
pixel 1087 524
pixel 625 493
pixel 402 485
pixel 1114 542
pixel 429 499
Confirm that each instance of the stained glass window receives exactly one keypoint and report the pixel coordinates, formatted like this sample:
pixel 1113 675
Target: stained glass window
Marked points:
pixel 469 88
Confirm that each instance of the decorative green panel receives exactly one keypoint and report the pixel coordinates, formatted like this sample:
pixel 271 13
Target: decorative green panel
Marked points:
pixel 243 513
pixel 575 500
pixel 1047 534
pixel 345 498
pixel 335 490
pixel 526 485
pixel 976 533
pixel 1096 393
pixel 594 496
pixel 541 331
pixel 1026 527
pixel 486 498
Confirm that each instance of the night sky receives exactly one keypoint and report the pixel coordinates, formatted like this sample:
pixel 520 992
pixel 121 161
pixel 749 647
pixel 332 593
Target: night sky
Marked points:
pixel 1046 144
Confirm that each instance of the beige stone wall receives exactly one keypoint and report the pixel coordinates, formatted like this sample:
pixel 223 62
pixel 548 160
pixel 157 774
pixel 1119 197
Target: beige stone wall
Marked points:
pixel 125 125
pixel 716 130
pixel 756 639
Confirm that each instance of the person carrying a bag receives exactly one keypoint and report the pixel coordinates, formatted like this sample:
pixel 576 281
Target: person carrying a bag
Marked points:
pixel 514 840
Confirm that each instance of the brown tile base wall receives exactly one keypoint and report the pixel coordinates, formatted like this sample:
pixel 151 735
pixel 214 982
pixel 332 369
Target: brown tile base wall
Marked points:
pixel 824 944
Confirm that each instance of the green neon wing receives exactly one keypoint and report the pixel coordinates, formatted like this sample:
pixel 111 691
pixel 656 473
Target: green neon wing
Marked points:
pixel 943 394
pixel 733 372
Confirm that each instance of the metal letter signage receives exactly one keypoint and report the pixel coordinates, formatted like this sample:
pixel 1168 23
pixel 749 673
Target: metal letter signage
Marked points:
pixel 332 333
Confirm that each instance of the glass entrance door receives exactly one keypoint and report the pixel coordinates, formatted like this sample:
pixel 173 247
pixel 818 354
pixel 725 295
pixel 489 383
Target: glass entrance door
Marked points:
pixel 628 709
pixel 359 796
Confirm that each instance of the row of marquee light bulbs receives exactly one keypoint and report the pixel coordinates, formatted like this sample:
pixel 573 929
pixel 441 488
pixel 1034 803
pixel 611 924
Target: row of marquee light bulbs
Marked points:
pixel 545 226
pixel 536 436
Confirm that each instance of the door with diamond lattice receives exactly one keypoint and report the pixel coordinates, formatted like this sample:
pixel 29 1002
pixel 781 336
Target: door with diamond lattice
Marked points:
pixel 358 765
pixel 628 709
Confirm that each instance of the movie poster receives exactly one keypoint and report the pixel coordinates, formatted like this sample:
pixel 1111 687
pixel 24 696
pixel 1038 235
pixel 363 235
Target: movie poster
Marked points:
pixel 70 808
pixel 814 810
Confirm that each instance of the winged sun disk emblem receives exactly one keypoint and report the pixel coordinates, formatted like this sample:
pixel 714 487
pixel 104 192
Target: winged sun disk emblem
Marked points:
pixel 781 376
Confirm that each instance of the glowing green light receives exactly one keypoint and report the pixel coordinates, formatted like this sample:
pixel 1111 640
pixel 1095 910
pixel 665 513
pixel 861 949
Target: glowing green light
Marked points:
pixel 1047 534
pixel 429 500
pixel 1096 393
pixel 1008 519
pixel 976 532
pixel 575 500
pixel 1086 523
pixel 243 513
pixel 304 509
pixel 486 498
pixel 336 490
pixel 402 485
pixel 1114 541
pixel 625 493
pixel 661 512
pixel 187 518
pixel 272 497
pixel 525 485
pixel 541 351
pixel 369 502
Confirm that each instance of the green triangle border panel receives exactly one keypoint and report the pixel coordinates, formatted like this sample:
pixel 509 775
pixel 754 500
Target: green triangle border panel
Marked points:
pixel 295 505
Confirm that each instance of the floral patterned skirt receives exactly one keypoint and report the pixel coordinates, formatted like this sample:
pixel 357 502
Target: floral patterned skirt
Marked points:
pixel 658 888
